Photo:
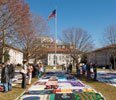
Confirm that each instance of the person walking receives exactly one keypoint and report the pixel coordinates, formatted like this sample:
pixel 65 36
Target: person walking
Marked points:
pixel 5 77
pixel 24 73
pixel 30 70
pixel 11 72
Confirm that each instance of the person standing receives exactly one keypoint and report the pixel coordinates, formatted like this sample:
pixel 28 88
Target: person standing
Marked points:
pixel 24 73
pixel 36 70
pixel 70 68
pixel 110 66
pixel 88 70
pixel 84 69
pixel 62 67
pixel 42 69
pixel 95 71
pixel 67 67
pixel 39 70
pixel 5 77
pixel 78 69
pixel 11 74
pixel 30 70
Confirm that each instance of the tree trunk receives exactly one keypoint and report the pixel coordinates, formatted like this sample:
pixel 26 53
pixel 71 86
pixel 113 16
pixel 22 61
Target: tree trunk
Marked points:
pixel 3 47
pixel 35 60
pixel 27 59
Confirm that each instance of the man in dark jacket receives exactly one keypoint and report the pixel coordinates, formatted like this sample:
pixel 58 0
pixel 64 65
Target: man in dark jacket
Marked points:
pixel 70 68
pixel 11 74
pixel 95 71
pixel 88 71
pixel 25 63
pixel 5 77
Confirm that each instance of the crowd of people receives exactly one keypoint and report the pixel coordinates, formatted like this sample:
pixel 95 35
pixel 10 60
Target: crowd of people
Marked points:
pixel 31 71
pixel 67 67
pixel 36 70
pixel 87 69
pixel 27 71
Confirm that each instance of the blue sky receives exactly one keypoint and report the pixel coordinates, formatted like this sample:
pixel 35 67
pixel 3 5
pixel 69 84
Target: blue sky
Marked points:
pixel 91 15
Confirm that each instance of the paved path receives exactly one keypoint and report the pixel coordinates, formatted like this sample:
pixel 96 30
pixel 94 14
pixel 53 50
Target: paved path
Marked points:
pixel 60 86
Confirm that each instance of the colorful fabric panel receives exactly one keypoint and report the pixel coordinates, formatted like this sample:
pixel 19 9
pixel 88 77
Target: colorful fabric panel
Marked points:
pixel 83 90
pixel 38 92
pixel 40 83
pixel 63 91
pixel 88 96
pixel 64 97
pixel 34 97
pixel 77 84
pixel 52 83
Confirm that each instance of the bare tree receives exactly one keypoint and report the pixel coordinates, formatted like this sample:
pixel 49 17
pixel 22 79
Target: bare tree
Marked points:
pixel 28 36
pixel 109 38
pixel 80 41
pixel 11 13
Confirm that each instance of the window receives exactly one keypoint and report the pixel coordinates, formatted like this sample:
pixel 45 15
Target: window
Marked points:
pixel 63 47
pixel 49 57
pixel 67 56
pixel 59 57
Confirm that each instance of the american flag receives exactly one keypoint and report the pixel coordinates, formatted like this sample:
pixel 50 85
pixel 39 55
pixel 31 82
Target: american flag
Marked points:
pixel 53 14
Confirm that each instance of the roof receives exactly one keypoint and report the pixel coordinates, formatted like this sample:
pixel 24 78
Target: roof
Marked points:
pixel 52 43
pixel 58 50
pixel 9 46
pixel 17 49
pixel 106 47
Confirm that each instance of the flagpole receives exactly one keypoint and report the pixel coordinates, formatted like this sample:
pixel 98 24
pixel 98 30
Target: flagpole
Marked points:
pixel 55 20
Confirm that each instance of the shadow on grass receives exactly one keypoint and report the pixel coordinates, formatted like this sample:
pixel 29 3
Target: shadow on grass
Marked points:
pixel 16 87
pixel 85 79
